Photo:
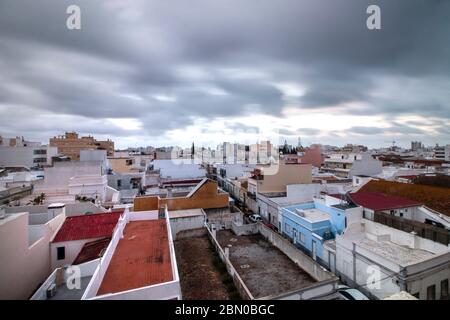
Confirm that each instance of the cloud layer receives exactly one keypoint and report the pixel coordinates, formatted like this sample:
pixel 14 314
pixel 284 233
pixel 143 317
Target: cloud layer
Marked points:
pixel 253 66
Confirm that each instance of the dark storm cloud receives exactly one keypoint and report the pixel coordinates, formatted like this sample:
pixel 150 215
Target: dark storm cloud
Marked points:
pixel 168 63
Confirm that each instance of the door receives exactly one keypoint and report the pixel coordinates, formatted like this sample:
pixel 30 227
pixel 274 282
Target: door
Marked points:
pixel 314 250
pixel 332 261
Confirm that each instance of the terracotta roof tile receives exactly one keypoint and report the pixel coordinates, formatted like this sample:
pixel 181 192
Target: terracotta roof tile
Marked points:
pixel 87 227
pixel 92 250
pixel 142 258
pixel 378 201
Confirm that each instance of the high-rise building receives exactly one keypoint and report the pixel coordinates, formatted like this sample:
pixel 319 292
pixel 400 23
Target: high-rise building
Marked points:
pixel 442 152
pixel 416 145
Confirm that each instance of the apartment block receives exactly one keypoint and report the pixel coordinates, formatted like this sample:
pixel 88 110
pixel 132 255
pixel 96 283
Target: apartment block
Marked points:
pixel 71 144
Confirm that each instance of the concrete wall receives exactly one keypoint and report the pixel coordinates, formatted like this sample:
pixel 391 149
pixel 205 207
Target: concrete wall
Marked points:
pixel 244 229
pixel 237 280
pixel 326 281
pixel 186 223
pixel 58 176
pixel 86 269
pixel 302 260
pixel 122 165
pixel 23 156
pixel 366 166
pixel 91 186
pixel 179 169
pixel 125 180
pixel 287 174
pixel 206 197
pixel 163 291
pixel 72 249
pixel 39 213
pixel 23 267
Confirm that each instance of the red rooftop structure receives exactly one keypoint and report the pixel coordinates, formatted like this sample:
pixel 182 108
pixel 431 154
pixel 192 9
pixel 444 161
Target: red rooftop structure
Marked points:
pixel 378 201
pixel 88 227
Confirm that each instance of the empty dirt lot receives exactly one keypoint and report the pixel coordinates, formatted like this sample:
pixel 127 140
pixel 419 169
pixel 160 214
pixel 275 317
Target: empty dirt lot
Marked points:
pixel 202 274
pixel 264 269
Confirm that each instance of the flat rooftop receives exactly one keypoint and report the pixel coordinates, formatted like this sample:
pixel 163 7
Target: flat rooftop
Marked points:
pixel 314 215
pixel 265 270
pixel 401 255
pixel 64 293
pixel 185 213
pixel 141 259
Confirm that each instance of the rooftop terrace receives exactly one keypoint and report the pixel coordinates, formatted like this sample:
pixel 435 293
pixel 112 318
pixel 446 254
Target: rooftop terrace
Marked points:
pixel 141 259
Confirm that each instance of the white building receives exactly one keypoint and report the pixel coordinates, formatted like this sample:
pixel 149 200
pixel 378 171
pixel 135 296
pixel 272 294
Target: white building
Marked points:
pixel 179 169
pixel 138 264
pixel 29 155
pixel 71 180
pixel 382 261
pixel 24 247
pixel 442 152
pixel 76 232
pixel 346 165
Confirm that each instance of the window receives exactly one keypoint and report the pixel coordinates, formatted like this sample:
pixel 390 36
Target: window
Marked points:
pixel 401 214
pixel 431 292
pixel 119 183
pixel 61 253
pixel 302 237
pixel 444 289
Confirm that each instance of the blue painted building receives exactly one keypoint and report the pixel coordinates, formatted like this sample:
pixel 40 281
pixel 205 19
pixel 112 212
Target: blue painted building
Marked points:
pixel 309 225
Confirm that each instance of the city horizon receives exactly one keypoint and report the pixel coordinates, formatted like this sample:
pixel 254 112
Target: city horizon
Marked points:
pixel 163 75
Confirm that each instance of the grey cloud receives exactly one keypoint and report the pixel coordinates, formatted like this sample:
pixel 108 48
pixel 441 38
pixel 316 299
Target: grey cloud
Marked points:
pixel 126 53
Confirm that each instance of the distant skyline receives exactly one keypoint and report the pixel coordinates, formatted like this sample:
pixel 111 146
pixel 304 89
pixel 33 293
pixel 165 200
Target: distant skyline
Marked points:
pixel 167 73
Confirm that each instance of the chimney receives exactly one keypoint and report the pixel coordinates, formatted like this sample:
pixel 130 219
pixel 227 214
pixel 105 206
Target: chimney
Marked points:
pixel 55 209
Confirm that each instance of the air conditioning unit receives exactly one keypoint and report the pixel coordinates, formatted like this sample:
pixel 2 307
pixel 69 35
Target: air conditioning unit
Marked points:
pixel 51 290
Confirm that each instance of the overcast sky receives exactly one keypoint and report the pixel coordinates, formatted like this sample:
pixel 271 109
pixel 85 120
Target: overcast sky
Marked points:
pixel 169 72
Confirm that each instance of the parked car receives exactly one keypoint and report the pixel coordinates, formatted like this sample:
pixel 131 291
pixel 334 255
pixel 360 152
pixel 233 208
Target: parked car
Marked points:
pixel 255 217
pixel 351 294
pixel 271 226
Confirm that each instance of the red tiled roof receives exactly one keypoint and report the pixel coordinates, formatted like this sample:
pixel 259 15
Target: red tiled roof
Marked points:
pixel 378 201
pixel 87 227
pixel 142 258
pixel 92 250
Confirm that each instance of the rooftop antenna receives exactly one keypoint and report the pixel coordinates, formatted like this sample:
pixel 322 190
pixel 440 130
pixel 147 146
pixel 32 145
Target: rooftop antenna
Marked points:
pixel 393 143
